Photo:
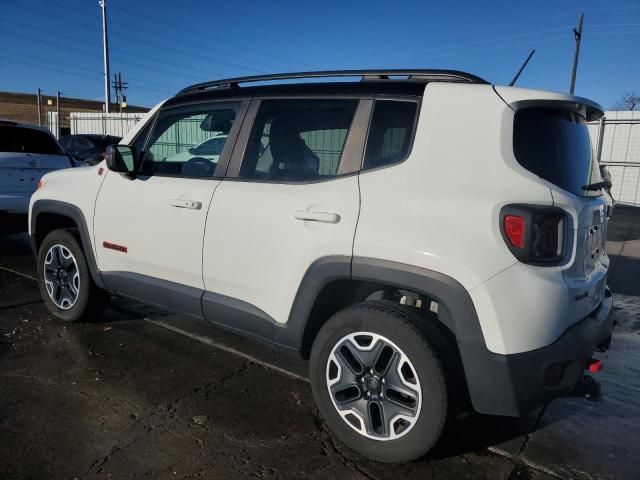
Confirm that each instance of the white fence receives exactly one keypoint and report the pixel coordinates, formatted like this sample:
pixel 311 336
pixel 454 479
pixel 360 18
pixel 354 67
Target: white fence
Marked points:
pixel 616 142
pixel 117 124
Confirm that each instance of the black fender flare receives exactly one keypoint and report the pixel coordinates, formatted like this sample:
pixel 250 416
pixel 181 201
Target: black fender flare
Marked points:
pixel 484 371
pixel 75 214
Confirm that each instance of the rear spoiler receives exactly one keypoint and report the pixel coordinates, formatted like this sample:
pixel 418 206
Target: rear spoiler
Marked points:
pixel 518 98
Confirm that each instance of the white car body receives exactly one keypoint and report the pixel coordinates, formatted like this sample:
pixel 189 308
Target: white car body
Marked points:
pixel 245 254
pixel 20 171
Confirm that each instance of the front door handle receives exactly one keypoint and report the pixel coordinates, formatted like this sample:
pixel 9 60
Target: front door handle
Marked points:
pixel 324 217
pixel 181 203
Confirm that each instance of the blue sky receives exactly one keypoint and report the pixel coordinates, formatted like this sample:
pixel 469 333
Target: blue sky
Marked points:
pixel 161 46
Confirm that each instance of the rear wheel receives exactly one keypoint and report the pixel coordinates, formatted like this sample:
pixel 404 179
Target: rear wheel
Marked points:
pixel 378 382
pixel 65 282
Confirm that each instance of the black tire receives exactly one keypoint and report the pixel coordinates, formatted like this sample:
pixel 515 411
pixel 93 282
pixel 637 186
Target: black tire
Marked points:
pixel 90 298
pixel 398 325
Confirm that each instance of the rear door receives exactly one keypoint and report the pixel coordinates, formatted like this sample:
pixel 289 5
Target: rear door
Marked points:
pixel 26 154
pixel 290 199
pixel 149 227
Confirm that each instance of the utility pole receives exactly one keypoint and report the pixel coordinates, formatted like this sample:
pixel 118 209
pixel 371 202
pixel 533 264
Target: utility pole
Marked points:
pixel 105 52
pixel 119 87
pixel 58 114
pixel 39 108
pixel 578 36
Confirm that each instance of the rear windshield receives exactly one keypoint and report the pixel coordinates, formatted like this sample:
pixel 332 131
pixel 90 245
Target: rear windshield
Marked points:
pixel 27 140
pixel 554 144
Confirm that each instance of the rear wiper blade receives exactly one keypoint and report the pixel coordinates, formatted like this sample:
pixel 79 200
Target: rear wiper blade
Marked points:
pixel 597 185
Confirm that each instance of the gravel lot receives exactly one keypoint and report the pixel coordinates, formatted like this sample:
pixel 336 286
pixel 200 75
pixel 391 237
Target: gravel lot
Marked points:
pixel 143 393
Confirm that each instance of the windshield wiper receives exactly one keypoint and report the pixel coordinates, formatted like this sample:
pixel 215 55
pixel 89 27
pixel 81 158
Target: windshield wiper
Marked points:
pixel 597 185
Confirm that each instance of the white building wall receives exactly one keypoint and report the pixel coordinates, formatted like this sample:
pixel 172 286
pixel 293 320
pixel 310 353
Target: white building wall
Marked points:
pixel 117 124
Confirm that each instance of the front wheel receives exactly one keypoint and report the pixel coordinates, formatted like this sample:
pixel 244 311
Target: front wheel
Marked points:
pixel 66 286
pixel 378 382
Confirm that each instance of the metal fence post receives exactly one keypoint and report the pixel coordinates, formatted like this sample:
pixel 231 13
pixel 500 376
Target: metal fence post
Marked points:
pixel 603 120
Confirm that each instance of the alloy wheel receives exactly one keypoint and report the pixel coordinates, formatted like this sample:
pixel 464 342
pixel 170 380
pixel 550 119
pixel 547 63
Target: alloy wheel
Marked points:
pixel 61 277
pixel 374 386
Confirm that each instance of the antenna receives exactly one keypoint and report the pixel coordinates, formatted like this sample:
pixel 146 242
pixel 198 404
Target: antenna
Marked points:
pixel 515 79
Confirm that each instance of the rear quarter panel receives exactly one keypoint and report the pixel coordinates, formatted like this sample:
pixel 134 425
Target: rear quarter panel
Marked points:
pixel 439 208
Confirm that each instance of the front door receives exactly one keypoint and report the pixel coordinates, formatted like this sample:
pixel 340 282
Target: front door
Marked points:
pixel 149 227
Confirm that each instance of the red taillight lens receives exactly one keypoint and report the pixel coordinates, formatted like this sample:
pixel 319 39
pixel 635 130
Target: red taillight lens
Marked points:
pixel 39 184
pixel 514 228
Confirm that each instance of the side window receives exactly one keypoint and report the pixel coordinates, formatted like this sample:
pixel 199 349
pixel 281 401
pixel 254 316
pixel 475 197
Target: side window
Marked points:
pixel 181 141
pixel 390 133
pixel 297 140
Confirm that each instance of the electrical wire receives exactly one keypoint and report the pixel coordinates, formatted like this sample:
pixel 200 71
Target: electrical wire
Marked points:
pixel 96 78
pixel 169 88
pixel 136 64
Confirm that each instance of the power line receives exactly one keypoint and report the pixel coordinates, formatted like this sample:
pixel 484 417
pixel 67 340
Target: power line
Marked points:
pixel 120 51
pixel 138 40
pixel 170 88
pixel 488 49
pixel 181 29
pixel 96 78
pixel 480 42
pixel 137 63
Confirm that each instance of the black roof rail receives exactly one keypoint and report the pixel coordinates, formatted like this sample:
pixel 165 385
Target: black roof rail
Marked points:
pixel 367 75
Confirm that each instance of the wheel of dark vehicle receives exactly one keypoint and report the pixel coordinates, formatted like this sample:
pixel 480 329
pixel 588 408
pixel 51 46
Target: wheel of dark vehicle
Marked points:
pixel 379 383
pixel 65 282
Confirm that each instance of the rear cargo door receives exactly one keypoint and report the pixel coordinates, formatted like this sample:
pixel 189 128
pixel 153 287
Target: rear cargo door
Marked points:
pixel 552 141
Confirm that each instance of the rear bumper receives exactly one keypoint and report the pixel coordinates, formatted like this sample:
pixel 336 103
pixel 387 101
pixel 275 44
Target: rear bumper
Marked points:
pixel 513 385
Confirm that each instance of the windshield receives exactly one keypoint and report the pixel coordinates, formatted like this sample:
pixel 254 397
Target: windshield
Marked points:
pixel 554 144
pixel 27 140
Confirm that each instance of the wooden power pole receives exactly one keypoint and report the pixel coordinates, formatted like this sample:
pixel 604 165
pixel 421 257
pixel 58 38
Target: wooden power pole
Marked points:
pixel 578 36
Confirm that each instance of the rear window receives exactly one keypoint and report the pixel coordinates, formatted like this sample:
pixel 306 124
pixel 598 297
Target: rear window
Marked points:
pixel 554 144
pixel 27 140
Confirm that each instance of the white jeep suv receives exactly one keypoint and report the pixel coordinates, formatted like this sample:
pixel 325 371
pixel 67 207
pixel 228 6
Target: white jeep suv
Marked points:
pixel 423 237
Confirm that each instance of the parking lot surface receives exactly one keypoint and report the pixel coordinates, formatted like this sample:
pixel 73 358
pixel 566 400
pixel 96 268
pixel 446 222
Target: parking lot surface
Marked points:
pixel 140 392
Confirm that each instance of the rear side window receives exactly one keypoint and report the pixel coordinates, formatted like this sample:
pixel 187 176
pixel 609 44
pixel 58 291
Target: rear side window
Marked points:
pixel 27 140
pixel 554 144
pixel 390 133
pixel 297 140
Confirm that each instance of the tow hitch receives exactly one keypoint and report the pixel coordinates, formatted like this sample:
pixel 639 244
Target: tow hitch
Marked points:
pixel 587 387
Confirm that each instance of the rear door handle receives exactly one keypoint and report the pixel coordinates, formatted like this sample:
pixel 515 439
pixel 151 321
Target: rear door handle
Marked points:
pixel 181 203
pixel 324 217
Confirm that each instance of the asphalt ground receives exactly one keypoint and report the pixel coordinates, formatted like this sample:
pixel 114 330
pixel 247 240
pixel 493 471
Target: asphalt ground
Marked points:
pixel 142 393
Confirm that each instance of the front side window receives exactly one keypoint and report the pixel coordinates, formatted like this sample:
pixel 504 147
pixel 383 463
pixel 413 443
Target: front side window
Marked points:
pixel 297 140
pixel 188 141
pixel 390 133
pixel 27 140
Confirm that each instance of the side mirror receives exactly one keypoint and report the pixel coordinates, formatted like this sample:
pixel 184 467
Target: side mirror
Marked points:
pixel 121 158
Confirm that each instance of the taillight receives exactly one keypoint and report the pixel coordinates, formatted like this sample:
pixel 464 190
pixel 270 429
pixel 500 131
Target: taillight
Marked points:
pixel 514 228
pixel 534 234
pixel 40 184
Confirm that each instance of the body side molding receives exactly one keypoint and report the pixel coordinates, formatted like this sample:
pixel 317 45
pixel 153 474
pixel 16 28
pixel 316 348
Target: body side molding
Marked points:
pixel 163 293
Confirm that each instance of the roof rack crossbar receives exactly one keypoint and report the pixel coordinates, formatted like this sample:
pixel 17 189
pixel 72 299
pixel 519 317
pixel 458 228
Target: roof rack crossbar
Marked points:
pixel 367 75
